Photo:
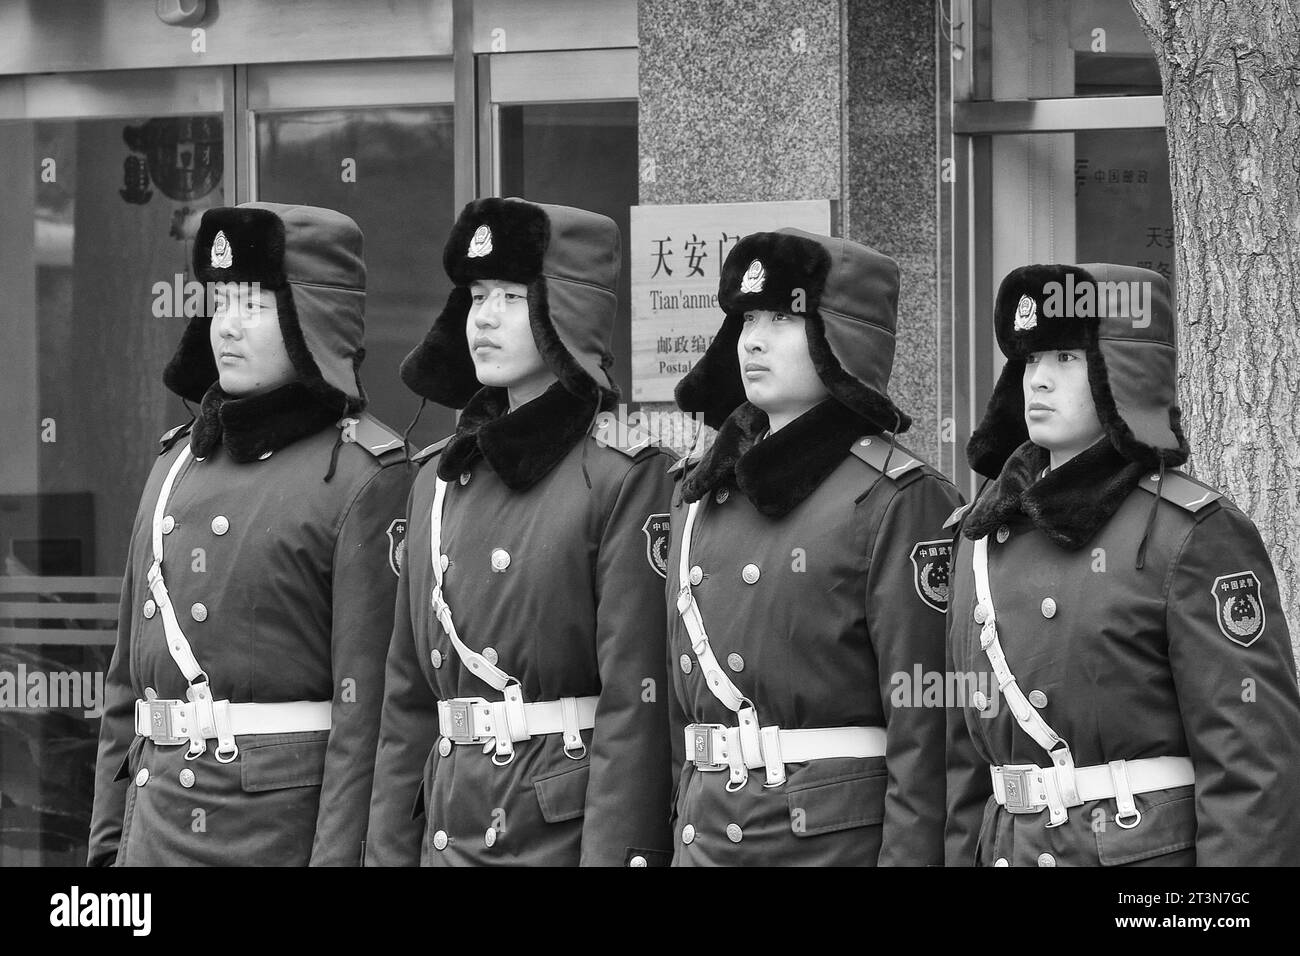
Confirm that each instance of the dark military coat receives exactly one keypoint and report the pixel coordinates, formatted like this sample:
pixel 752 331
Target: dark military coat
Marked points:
pixel 283 584
pixel 829 614
pixel 1188 655
pixel 575 611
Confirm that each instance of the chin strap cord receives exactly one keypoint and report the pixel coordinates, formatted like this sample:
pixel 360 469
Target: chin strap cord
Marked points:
pixel 1151 519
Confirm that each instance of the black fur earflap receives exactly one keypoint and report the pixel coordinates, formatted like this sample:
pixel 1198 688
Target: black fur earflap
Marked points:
pixel 713 387
pixel 440 367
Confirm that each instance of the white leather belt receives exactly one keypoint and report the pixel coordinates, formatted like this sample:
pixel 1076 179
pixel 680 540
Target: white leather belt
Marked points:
pixel 1026 788
pixel 717 747
pixel 168 722
pixel 473 720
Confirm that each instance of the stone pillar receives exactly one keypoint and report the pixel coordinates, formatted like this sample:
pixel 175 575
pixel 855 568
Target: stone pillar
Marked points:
pixel 806 99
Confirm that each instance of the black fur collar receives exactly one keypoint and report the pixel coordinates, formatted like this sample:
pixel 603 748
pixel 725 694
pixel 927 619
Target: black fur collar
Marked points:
pixel 520 446
pixel 780 471
pixel 251 427
pixel 1069 504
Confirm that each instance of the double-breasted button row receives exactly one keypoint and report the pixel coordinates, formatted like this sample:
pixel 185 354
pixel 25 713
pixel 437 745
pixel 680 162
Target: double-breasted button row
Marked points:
pixel 220 524
pixel 490 836
pixel 734 833
pixel 750 574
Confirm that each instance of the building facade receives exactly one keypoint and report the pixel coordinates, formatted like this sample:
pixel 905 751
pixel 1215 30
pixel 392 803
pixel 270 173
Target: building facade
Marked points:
pixel 963 138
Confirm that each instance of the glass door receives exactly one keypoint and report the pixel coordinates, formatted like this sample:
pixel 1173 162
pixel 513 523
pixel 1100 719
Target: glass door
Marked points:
pixel 562 128
pixel 372 140
pixel 106 177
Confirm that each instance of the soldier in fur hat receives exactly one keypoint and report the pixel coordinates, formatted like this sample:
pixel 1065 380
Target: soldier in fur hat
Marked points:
pixel 808 577
pixel 243 695
pixel 1148 709
pixel 525 720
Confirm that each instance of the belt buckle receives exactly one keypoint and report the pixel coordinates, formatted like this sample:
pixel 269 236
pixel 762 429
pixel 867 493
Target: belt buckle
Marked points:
pixel 157 722
pixel 1015 788
pixel 460 720
pixel 702 746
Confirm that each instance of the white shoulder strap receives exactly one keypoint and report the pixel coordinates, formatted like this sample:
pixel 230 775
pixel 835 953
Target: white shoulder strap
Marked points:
pixel 478 665
pixel 1027 716
pixel 714 676
pixel 177 644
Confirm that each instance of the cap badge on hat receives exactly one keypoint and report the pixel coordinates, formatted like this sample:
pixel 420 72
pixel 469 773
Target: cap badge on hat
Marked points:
pixel 223 257
pixel 754 278
pixel 1026 314
pixel 481 243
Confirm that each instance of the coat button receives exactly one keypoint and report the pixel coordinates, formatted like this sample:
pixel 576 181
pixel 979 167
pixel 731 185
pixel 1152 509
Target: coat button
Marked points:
pixel 150 608
pixel 142 777
pixel 444 747
pixel 735 662
pixel 1003 533
pixel 265 455
pixel 637 861
pixel 490 837
pixel 1046 859
pixel 734 833
pixel 500 560
pixel 464 477
pixel 490 655
pixel 688 834
pixel 981 613
pixel 1038 699
pixel 220 524
pixel 1001 861
pixel 722 495
pixel 440 840
pixel 187 778
pixel 199 613
pixel 1049 608
pixel 749 573
pixel 697 575
pixel 685 662
pixel 980 700
pixel 168 523
pixel 435 657
pixel 445 562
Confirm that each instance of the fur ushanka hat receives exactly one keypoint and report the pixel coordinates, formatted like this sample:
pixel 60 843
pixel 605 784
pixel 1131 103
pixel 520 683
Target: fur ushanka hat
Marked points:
pixel 311 259
pixel 847 295
pixel 1121 317
pixel 568 258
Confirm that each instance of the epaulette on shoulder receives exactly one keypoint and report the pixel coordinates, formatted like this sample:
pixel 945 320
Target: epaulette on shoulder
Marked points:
pixel 875 450
pixel 430 451
pixel 172 436
pixel 955 518
pixel 377 438
pixel 609 432
pixel 1182 490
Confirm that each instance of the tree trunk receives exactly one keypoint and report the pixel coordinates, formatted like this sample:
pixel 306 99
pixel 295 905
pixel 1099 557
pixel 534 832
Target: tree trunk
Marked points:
pixel 1231 76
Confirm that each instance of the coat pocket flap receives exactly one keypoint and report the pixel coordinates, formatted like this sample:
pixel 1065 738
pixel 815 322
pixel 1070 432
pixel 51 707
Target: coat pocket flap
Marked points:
pixel 1168 824
pixel 563 795
pixel 279 761
pixel 838 803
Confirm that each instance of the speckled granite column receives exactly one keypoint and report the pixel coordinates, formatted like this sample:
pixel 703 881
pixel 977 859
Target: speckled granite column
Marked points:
pixel 753 101
pixel 892 175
